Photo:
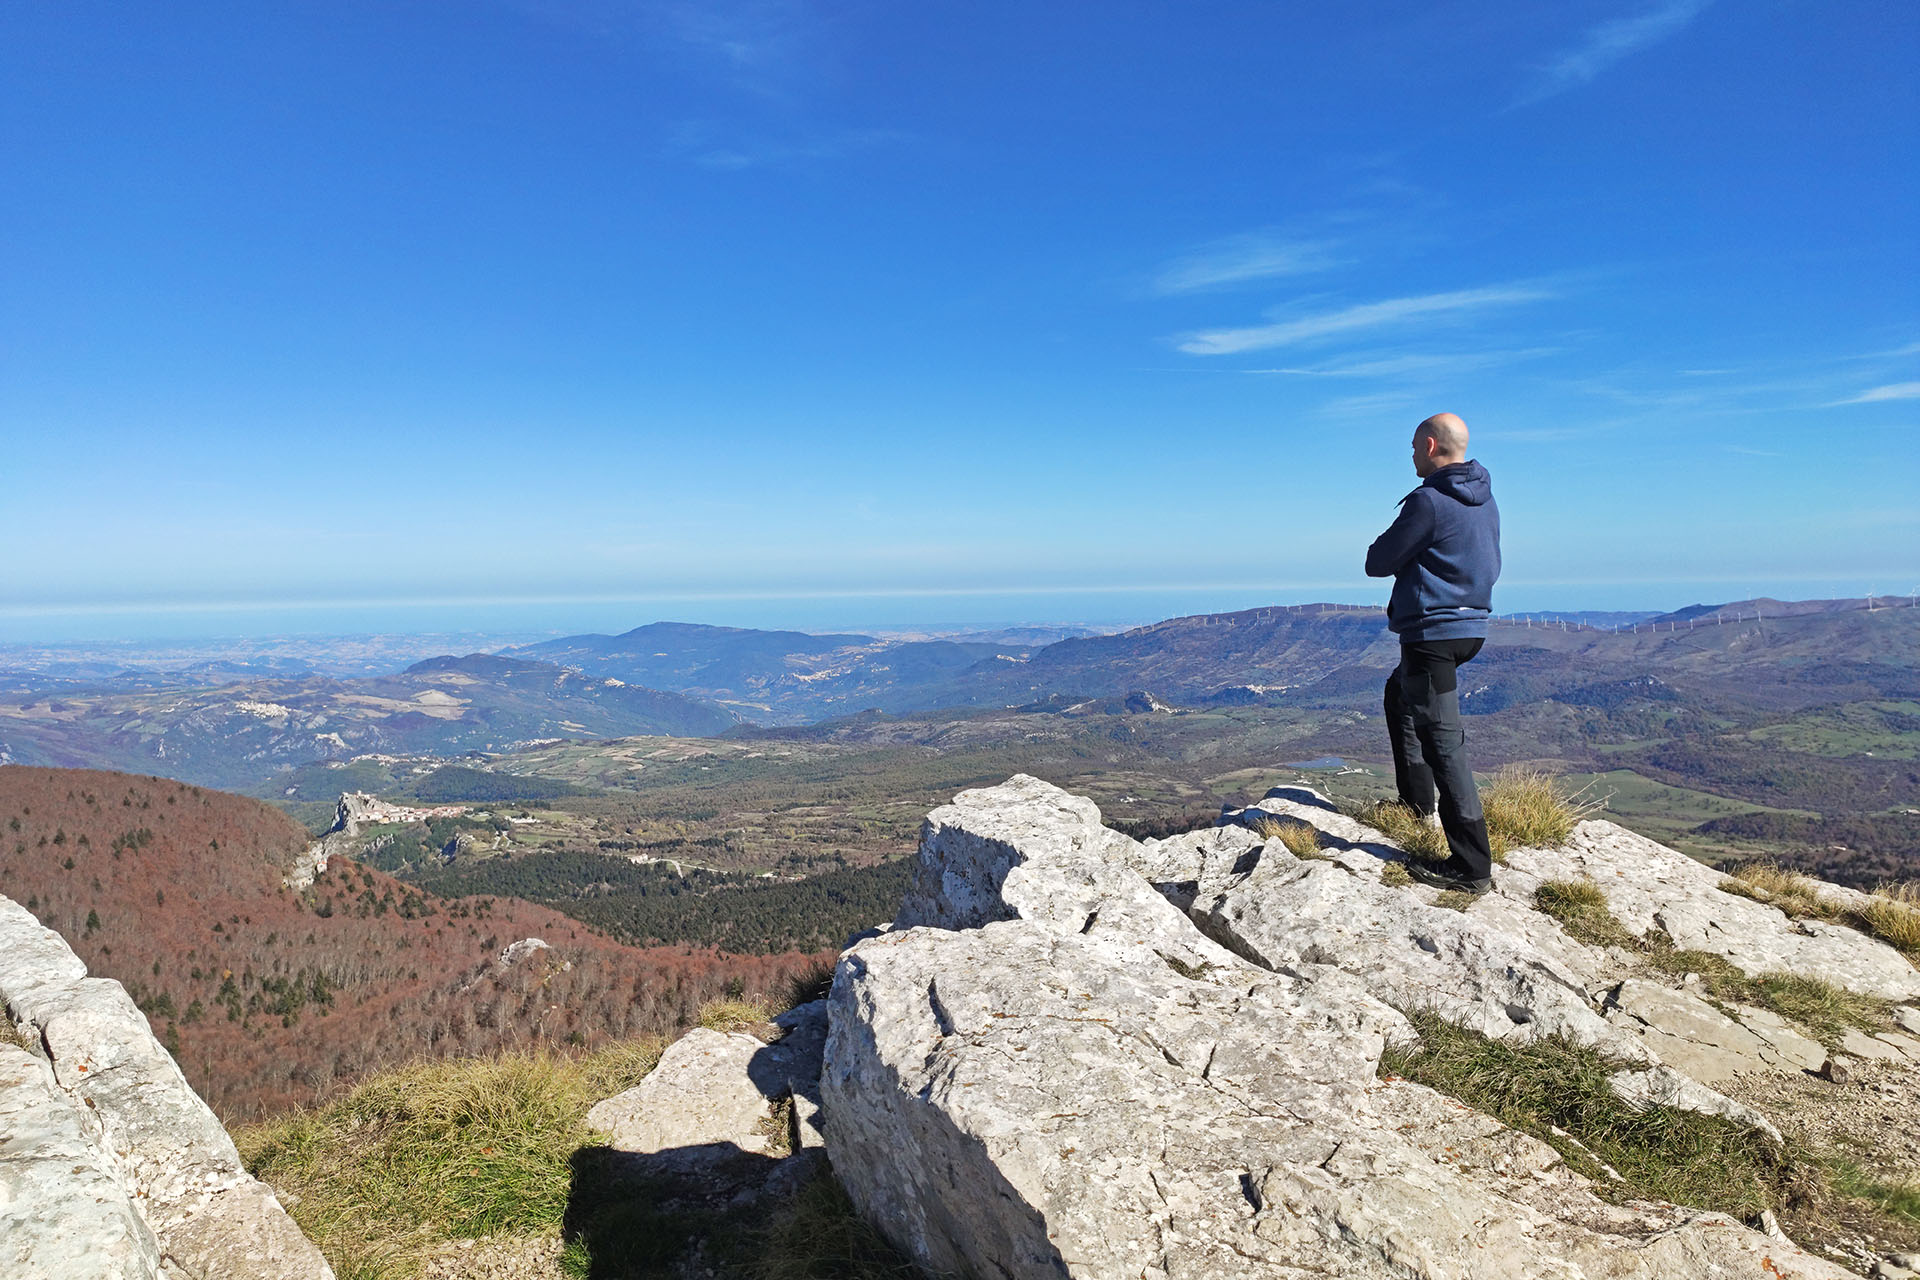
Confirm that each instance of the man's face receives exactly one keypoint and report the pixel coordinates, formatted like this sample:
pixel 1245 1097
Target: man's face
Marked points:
pixel 1423 455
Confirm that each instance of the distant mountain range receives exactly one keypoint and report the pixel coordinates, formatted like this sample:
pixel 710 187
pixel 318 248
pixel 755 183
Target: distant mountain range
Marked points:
pixel 688 680
pixel 775 676
pixel 1251 655
pixel 239 734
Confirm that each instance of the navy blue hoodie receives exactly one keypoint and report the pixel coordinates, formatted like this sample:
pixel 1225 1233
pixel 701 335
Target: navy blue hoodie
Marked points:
pixel 1443 553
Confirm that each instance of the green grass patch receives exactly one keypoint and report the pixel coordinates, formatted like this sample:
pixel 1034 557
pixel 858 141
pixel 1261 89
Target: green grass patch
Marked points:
pixel 439 1151
pixel 1581 908
pixel 384 1177
pixel 1898 1200
pixel 1558 1092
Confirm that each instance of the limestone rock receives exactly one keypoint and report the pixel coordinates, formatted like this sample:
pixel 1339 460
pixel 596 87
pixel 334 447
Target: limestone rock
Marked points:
pixel 63 1210
pixel 514 952
pixel 178 1167
pixel 703 1118
pixel 1041 1073
pixel 1868 1048
pixel 1498 967
pixel 1692 1036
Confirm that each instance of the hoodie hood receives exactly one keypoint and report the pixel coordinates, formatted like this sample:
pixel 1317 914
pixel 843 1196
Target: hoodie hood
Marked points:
pixel 1466 482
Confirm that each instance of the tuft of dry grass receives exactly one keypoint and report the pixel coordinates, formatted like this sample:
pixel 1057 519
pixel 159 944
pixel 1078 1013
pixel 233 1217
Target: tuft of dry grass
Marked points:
pixel 1582 910
pixel 1404 828
pixel 1528 808
pixel 1797 895
pixel 9 1034
pixel 812 983
pixel 1394 875
pixel 1892 915
pixel 1301 839
pixel 734 1015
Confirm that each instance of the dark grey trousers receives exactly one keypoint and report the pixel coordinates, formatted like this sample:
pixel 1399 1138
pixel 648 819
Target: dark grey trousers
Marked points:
pixel 1430 748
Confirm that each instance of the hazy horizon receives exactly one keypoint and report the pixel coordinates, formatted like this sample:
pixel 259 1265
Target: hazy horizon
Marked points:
pixel 524 621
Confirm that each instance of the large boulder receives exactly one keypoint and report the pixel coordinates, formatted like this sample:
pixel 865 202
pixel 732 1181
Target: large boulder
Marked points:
pixel 162 1147
pixel 706 1124
pixel 1046 1068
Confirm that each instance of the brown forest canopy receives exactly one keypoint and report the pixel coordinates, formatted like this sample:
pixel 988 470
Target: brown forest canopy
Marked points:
pixel 269 997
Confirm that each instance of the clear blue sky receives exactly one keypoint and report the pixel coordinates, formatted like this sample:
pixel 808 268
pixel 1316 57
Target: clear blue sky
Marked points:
pixel 1024 305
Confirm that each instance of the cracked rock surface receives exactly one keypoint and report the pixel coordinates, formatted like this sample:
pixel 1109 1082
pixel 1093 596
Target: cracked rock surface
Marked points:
pixel 160 1173
pixel 1047 1068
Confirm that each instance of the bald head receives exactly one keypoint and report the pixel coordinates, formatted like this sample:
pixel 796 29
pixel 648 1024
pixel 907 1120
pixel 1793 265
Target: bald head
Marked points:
pixel 1439 442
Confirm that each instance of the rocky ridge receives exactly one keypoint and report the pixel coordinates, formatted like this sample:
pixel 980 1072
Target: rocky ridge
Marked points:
pixel 356 809
pixel 1075 1054
pixel 110 1165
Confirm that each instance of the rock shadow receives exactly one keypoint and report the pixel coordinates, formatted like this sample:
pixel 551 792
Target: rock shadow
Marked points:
pixel 1337 844
pixel 645 1216
pixel 1302 796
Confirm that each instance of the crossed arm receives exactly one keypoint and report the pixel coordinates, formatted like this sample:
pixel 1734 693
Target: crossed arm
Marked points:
pixel 1410 533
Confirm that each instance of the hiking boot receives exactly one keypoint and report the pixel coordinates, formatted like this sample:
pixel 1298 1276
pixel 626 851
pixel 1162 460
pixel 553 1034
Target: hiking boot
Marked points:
pixel 1440 876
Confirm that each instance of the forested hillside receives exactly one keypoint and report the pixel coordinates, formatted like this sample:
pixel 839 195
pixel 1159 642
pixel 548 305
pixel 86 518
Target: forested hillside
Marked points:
pixel 268 997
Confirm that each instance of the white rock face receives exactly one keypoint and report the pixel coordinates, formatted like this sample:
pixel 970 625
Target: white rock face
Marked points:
pixel 356 808
pixel 1045 1069
pixel 167 1158
pixel 63 1211
pixel 702 1119
pixel 514 952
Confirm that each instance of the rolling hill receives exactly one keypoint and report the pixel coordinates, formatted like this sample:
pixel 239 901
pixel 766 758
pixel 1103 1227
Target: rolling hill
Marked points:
pixel 267 997
pixel 239 734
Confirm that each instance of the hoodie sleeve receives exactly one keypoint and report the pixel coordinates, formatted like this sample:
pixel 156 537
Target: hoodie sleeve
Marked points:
pixel 1410 533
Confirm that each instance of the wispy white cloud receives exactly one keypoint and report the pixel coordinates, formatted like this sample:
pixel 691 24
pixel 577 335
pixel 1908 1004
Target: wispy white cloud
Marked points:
pixel 1753 453
pixel 1375 405
pixel 1239 259
pixel 696 146
pixel 1420 364
pixel 1365 316
pixel 1878 395
pixel 1911 349
pixel 1608 43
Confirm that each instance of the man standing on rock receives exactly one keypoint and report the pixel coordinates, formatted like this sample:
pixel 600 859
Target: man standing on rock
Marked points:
pixel 1443 553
